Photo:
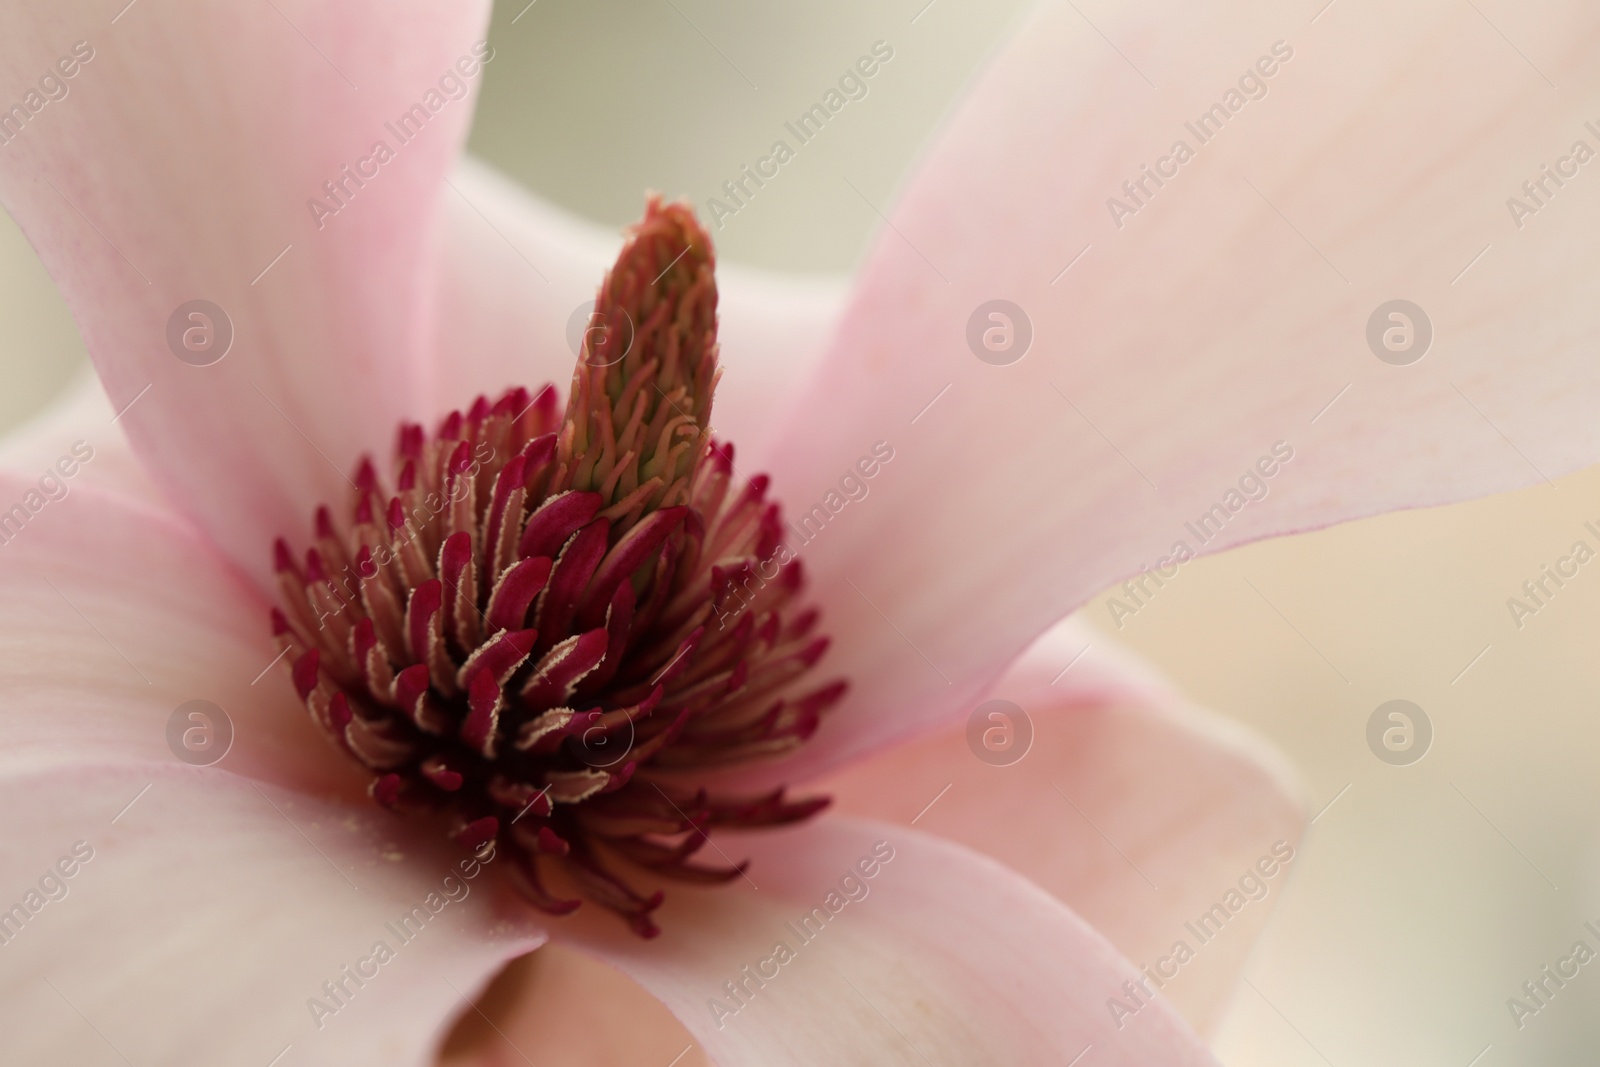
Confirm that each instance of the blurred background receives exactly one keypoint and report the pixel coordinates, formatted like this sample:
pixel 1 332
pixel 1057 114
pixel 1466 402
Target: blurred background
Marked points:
pixel 1425 894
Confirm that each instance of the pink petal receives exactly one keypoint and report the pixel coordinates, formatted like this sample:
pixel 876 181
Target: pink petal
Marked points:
pixel 205 922
pixel 117 614
pixel 774 331
pixel 515 269
pixel 1185 345
pixel 946 956
pixel 1135 808
pixel 512 270
pixel 182 162
pixel 80 416
pixel 218 898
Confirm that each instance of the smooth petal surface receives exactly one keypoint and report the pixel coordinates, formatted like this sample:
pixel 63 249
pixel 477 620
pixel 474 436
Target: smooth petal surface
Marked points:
pixel 213 911
pixel 513 270
pixel 43 445
pixel 1227 316
pixel 183 164
pixel 118 613
pixel 943 957
pixel 1135 808
pixel 217 899
pixel 516 270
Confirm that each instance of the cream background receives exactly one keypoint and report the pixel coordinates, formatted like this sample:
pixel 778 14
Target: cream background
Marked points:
pixel 1410 916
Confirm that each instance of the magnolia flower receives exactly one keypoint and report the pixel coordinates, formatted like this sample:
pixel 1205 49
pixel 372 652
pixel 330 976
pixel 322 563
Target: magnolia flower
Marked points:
pixel 1181 332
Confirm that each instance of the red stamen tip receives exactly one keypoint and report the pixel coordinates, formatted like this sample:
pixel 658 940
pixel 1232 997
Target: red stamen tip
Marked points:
pixel 386 790
pixel 282 558
pixel 551 844
pixel 305 673
pixel 411 438
pixel 479 832
pixel 366 475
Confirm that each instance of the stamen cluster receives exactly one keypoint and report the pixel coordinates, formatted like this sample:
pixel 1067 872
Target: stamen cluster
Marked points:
pixel 553 620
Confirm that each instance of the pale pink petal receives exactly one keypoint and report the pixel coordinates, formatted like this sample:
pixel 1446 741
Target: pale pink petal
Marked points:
pixel 1137 809
pixel 515 269
pixel 117 613
pixel 183 160
pixel 774 332
pixel 213 910
pixel 1220 322
pixel 80 416
pixel 216 901
pixel 512 270
pixel 944 957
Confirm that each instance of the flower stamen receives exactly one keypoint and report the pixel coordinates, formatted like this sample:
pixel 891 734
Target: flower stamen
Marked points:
pixel 556 618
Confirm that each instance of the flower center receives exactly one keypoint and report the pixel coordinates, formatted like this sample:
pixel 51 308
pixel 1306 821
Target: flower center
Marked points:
pixel 555 620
